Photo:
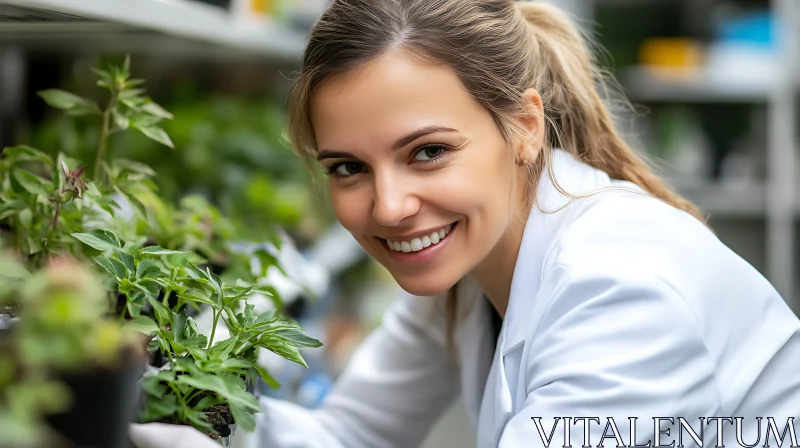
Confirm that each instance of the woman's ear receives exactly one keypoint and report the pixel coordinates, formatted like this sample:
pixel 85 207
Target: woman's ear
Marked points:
pixel 532 121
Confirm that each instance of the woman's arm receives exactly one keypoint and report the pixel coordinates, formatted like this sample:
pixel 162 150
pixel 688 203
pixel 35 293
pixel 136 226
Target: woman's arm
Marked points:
pixel 395 386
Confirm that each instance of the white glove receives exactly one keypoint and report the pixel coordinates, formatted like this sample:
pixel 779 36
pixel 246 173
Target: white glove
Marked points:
pixel 162 435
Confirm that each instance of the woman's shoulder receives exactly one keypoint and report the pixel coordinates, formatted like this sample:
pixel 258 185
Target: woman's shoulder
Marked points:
pixel 626 229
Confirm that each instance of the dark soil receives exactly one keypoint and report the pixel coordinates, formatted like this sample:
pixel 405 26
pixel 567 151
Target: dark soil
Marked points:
pixel 220 417
pixel 10 310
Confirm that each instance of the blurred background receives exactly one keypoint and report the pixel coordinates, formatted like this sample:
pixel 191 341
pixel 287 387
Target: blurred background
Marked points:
pixel 714 86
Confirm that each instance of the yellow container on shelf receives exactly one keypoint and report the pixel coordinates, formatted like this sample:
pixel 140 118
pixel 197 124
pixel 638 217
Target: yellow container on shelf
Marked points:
pixel 676 55
pixel 265 7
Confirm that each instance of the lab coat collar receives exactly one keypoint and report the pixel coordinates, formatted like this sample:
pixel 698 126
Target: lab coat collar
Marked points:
pixel 548 217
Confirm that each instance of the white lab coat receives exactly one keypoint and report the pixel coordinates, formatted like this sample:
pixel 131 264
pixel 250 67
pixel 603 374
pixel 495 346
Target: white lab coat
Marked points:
pixel 621 306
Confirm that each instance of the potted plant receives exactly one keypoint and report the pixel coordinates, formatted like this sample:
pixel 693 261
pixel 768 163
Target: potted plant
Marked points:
pixel 68 371
pixel 51 209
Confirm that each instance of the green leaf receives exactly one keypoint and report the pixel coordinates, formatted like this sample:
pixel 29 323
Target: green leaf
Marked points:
pixel 34 245
pixel 120 271
pixel 195 295
pixel 197 419
pixel 157 409
pixel 287 351
pixel 99 239
pixel 155 110
pixel 86 108
pixel 215 282
pixel 269 379
pixel 179 325
pixel 64 100
pixel 106 80
pixel 106 264
pixel 244 419
pixel 197 353
pixel 25 217
pixel 135 167
pixel 135 303
pixel 151 383
pixel 23 153
pixel 229 387
pixel 148 287
pixel 142 324
pixel 32 183
pixel 158 250
pixel 163 314
pixel 155 133
pixel 148 268
pixel 221 350
pixel 126 259
pixel 294 337
pixel 120 120
pixel 206 402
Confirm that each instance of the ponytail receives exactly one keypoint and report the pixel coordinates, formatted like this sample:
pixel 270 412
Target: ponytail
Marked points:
pixel 578 119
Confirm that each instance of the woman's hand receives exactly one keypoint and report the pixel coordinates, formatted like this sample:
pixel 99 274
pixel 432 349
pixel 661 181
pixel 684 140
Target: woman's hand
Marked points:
pixel 162 435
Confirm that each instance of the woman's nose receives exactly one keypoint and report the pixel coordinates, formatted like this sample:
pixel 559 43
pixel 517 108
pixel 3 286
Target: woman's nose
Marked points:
pixel 393 200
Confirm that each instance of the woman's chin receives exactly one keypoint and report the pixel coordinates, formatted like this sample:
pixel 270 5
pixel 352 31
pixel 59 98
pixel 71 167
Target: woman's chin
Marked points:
pixel 423 287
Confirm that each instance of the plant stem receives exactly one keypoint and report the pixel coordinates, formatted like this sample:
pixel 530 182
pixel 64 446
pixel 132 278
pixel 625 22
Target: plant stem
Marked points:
pixel 55 219
pixel 232 317
pixel 213 328
pixel 165 301
pixel 104 134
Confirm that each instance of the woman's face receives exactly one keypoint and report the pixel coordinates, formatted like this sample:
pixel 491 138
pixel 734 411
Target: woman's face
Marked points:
pixel 419 173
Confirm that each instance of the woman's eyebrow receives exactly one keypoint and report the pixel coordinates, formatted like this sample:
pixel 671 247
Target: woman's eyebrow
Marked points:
pixel 421 132
pixel 401 142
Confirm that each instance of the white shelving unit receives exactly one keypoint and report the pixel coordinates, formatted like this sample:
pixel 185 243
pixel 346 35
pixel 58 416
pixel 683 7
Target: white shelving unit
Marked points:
pixel 181 26
pixel 775 199
pixel 650 86
pixel 745 199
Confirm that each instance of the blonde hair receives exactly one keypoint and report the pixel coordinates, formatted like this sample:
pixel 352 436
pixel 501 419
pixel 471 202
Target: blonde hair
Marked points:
pixel 498 49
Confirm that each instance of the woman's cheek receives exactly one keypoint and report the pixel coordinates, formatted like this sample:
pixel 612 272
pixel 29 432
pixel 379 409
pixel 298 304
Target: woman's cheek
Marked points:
pixel 351 205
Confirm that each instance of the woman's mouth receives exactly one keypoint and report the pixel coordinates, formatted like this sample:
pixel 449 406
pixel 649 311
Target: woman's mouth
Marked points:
pixel 419 249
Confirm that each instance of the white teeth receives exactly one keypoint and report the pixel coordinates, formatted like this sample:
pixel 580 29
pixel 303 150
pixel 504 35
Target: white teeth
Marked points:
pixel 417 244
pixel 426 241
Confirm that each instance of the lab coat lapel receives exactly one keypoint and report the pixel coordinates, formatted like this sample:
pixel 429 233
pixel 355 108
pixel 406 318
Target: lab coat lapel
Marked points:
pixel 505 387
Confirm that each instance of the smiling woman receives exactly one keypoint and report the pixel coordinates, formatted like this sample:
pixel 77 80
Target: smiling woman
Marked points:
pixel 469 150
pixel 415 155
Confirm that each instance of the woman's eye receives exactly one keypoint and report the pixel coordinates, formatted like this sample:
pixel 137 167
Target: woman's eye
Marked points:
pixel 429 152
pixel 348 169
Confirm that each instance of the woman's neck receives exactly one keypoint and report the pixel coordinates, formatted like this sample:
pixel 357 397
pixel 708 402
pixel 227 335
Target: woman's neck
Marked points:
pixel 495 272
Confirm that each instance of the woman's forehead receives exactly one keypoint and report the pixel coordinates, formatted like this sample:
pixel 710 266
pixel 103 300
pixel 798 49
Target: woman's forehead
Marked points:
pixel 389 95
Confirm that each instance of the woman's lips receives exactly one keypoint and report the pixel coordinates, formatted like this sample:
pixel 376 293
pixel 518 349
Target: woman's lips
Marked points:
pixel 425 253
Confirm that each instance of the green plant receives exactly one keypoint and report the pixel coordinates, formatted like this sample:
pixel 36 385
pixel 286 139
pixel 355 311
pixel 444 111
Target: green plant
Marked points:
pixel 231 151
pixel 51 210
pixel 45 198
pixel 62 328
pixel 203 372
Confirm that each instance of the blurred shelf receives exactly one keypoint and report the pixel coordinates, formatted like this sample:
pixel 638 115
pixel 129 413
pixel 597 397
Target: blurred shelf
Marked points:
pixel 179 26
pixel 738 199
pixel 645 85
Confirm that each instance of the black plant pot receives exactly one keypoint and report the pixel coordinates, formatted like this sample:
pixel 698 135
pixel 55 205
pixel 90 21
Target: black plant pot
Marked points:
pixel 103 405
